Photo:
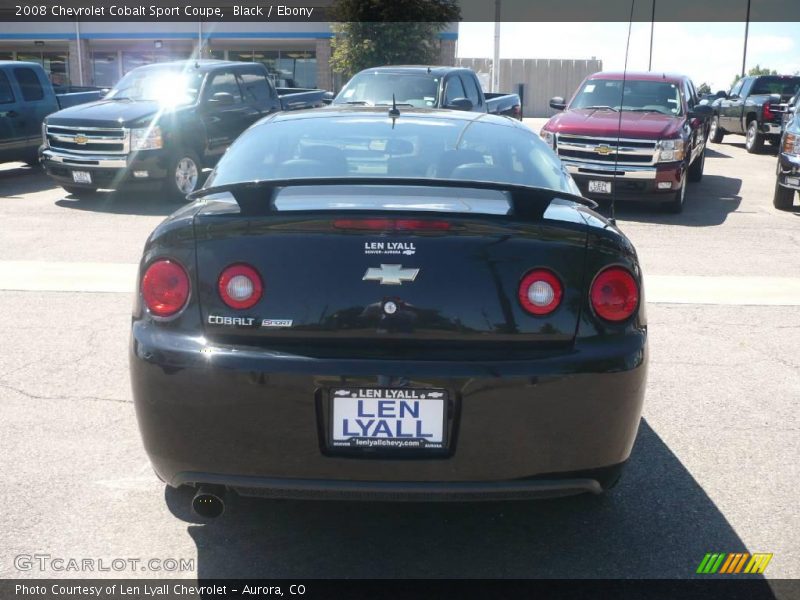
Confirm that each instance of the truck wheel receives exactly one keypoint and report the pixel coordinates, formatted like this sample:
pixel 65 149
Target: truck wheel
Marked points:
pixel 696 168
pixel 783 198
pixel 183 174
pixel 753 141
pixel 675 206
pixel 716 134
pixel 79 192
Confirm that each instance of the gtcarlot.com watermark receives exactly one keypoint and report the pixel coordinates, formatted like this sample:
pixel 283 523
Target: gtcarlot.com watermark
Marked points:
pixel 48 562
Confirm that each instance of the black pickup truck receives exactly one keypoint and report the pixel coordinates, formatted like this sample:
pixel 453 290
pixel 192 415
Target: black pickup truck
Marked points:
pixel 161 125
pixel 26 98
pixel 754 107
pixel 426 87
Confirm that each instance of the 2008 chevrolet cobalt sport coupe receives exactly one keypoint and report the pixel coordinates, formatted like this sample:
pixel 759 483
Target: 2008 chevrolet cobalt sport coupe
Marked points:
pixel 400 304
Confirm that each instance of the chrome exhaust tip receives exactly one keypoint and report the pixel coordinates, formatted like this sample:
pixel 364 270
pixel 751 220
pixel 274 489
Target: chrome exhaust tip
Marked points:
pixel 209 501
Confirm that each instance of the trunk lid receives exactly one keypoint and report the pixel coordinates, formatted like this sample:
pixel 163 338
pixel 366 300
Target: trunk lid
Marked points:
pixel 452 280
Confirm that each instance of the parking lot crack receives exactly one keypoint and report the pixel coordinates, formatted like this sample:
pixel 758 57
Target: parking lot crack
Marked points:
pixel 42 397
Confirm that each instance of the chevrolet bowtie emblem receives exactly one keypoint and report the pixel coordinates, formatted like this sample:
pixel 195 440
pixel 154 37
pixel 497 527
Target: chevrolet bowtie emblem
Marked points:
pixel 80 139
pixel 603 150
pixel 390 274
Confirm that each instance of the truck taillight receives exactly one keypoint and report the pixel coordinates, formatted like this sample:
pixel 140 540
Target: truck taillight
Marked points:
pixel 768 114
pixel 240 286
pixel 614 294
pixel 540 292
pixel 165 288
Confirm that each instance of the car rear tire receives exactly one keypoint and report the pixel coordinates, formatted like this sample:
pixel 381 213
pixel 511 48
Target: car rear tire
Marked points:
pixel 675 206
pixel 754 140
pixel 696 168
pixel 715 133
pixel 79 192
pixel 783 197
pixel 183 175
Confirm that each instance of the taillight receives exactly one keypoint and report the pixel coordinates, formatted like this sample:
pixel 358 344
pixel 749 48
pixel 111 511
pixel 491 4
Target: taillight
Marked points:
pixel 240 286
pixel 768 114
pixel 540 292
pixel 614 294
pixel 391 224
pixel 165 288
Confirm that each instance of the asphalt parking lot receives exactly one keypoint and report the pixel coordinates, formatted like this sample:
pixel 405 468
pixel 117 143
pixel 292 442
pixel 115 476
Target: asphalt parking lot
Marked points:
pixel 715 468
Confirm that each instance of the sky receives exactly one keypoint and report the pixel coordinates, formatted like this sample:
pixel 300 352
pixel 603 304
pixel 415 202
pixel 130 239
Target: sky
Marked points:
pixel 707 52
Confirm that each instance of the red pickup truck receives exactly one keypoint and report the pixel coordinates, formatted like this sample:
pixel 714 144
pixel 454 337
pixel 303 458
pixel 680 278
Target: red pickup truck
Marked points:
pixel 647 137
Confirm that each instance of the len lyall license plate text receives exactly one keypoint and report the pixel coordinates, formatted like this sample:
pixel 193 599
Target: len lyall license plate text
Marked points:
pixel 599 187
pixel 388 418
pixel 81 177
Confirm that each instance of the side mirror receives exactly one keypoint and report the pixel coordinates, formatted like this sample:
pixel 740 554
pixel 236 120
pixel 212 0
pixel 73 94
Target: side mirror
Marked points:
pixel 701 111
pixel 327 97
pixel 221 99
pixel 459 104
pixel 558 103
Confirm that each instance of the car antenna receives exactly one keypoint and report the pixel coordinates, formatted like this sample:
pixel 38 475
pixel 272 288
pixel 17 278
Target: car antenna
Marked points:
pixel 394 111
pixel 613 218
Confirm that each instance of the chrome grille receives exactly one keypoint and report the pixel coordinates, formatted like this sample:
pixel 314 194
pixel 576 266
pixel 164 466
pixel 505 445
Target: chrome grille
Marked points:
pixel 605 150
pixel 88 140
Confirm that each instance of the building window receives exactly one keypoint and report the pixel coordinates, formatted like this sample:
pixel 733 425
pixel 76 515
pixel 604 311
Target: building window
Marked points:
pixel 287 68
pixel 6 56
pixel 105 69
pixel 55 64
pixel 131 60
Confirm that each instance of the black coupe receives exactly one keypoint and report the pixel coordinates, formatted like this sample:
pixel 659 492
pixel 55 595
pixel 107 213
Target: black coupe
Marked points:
pixel 377 303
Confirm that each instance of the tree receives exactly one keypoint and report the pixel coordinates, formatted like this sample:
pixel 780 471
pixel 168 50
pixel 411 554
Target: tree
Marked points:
pixel 704 88
pixel 370 33
pixel 757 70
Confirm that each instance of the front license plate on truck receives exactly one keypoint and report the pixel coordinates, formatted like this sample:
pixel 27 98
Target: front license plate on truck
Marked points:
pixel 388 418
pixel 81 177
pixel 599 187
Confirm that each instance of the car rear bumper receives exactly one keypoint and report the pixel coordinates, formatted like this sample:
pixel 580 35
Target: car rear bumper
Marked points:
pixel 593 481
pixel 107 171
pixel 255 419
pixel 639 182
pixel 789 171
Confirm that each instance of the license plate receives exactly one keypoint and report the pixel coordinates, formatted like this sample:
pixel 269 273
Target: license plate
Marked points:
pixel 599 187
pixel 388 418
pixel 81 177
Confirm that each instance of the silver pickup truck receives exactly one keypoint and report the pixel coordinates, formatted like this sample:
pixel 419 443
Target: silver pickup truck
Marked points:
pixel 455 88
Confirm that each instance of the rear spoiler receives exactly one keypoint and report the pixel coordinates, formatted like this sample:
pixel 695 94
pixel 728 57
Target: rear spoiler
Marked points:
pixel 255 197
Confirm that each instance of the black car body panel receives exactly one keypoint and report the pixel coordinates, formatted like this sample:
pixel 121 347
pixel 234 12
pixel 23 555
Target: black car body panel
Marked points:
pixel 536 406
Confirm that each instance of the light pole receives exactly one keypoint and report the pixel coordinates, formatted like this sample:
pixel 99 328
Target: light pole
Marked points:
pixel 746 31
pixel 496 56
pixel 652 27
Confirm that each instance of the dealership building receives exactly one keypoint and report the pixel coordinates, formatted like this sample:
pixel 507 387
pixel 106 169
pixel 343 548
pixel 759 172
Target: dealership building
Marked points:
pixel 100 53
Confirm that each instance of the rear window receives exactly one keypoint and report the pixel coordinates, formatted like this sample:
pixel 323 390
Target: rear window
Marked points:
pixel 785 86
pixel 406 147
pixel 29 84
